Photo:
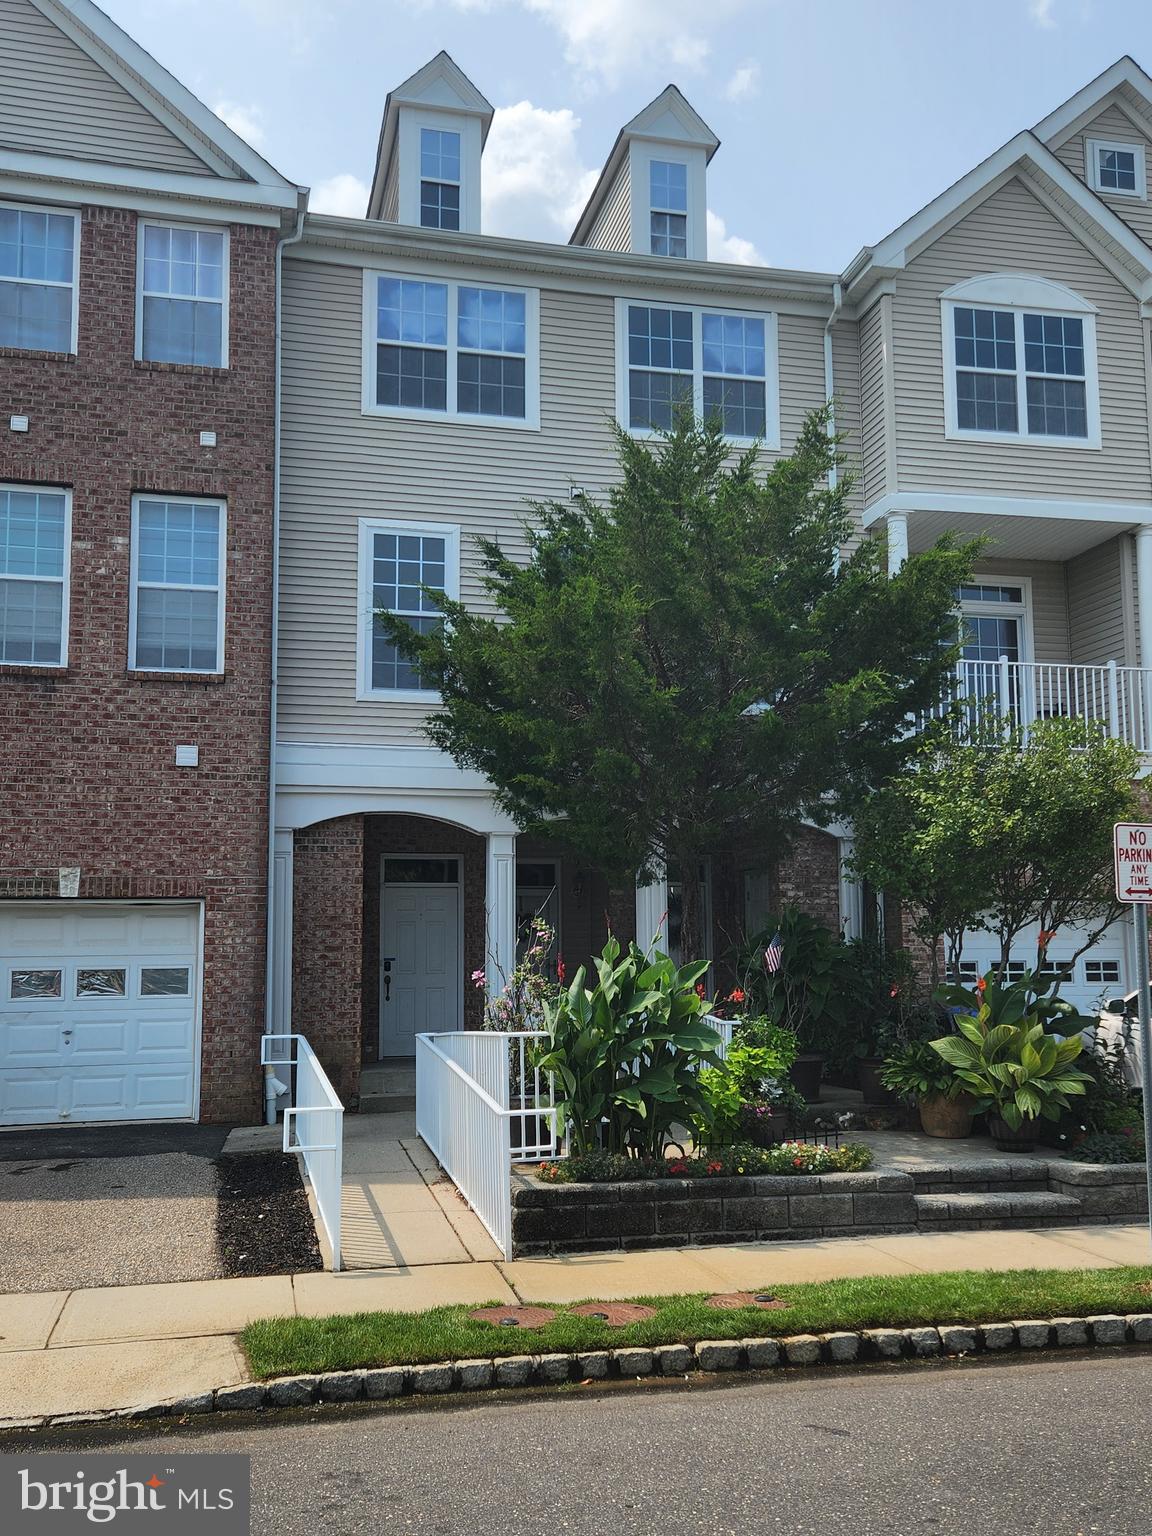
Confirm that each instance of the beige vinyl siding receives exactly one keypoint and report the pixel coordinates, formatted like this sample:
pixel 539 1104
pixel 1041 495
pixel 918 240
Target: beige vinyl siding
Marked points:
pixel 846 385
pixel 1096 604
pixel 55 99
pixel 1112 124
pixel 340 465
pixel 390 207
pixel 1012 232
pixel 612 230
pixel 1049 599
pixel 874 444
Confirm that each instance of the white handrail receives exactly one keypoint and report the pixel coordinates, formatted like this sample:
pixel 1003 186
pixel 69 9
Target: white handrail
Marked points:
pixel 1113 700
pixel 316 1100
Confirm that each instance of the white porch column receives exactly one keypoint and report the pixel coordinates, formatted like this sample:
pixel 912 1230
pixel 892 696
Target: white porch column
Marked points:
pixel 851 894
pixel 896 524
pixel 500 912
pixel 279 1002
pixel 1144 591
pixel 652 914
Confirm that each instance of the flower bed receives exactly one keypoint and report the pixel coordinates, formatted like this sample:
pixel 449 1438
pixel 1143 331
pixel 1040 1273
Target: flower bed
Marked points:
pixel 793 1158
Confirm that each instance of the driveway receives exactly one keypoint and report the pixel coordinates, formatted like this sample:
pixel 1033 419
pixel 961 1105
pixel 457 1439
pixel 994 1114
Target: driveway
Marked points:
pixel 137 1204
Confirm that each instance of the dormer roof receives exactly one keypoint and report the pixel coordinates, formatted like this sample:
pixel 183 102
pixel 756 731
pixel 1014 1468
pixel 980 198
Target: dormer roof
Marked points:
pixel 669 119
pixel 440 84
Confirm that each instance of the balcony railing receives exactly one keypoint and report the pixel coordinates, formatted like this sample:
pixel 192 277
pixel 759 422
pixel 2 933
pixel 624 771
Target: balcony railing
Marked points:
pixel 996 696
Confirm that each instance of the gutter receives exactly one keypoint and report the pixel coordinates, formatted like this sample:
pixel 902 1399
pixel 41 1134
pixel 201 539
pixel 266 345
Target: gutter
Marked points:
pixel 270 1088
pixel 829 375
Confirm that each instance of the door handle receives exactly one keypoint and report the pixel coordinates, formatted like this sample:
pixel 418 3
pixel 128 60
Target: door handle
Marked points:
pixel 386 964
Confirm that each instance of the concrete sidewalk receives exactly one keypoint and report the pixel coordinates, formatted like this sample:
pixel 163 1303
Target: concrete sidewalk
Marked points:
pixel 78 1351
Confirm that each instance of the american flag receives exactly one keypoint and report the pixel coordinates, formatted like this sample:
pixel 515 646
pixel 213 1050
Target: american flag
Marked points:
pixel 773 955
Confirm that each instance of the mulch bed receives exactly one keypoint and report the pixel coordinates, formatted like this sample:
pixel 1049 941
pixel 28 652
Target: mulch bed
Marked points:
pixel 617 1314
pixel 264 1224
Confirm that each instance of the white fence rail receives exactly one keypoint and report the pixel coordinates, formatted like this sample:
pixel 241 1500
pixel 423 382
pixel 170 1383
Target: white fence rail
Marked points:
pixel 313 1126
pixel 480 1106
pixel 1111 700
pixel 723 1028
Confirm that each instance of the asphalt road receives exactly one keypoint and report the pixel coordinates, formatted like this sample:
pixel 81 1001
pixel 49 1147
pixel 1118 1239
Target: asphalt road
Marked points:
pixel 1053 1447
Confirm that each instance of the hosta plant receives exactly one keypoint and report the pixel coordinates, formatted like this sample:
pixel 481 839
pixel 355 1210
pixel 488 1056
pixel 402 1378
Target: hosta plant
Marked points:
pixel 1015 1071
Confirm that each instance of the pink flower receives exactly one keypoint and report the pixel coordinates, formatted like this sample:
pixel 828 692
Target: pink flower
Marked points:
pixel 478 978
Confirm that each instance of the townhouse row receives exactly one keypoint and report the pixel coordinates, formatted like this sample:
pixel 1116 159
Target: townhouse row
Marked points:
pixel 231 430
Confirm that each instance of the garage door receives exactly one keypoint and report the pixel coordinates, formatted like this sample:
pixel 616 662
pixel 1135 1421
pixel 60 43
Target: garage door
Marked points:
pixel 98 1011
pixel 1100 972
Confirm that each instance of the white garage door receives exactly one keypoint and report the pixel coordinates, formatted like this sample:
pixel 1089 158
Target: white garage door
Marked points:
pixel 1100 972
pixel 98 1011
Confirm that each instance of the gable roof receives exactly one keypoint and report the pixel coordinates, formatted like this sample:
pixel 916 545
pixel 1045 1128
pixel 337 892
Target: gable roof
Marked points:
pixel 1024 156
pixel 1123 82
pixel 440 84
pixel 669 118
pixel 123 118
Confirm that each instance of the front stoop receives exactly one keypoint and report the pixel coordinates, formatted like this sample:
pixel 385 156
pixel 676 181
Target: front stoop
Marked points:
pixel 999 1208
pixel 388 1086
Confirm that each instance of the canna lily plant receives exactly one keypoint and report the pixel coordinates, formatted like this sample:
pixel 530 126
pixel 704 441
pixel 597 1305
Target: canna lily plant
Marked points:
pixel 1015 1070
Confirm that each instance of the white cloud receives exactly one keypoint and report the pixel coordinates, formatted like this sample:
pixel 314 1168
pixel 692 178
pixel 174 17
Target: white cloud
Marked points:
pixel 534 183
pixel 248 121
pixel 1040 12
pixel 344 194
pixel 725 247
pixel 743 82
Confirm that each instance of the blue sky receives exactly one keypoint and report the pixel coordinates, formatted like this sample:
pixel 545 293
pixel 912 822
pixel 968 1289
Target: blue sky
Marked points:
pixel 837 118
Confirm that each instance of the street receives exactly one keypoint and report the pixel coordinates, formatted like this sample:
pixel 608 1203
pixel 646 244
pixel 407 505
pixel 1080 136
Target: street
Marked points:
pixel 1056 1447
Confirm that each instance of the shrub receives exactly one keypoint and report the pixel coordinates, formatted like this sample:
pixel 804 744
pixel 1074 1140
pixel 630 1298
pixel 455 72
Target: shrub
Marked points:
pixel 1108 1147
pixel 789 1157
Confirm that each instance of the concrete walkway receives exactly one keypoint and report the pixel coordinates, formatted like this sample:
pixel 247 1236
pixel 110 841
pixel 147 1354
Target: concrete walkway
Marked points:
pixel 76 1351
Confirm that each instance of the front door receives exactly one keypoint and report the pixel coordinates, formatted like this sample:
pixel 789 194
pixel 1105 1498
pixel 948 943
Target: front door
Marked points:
pixel 421 977
pixel 994 620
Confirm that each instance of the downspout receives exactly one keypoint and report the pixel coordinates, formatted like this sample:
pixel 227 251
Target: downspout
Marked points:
pixel 829 375
pixel 271 1086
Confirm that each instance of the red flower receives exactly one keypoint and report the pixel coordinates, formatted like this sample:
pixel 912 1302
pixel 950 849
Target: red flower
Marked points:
pixel 699 989
pixel 715 1168
pixel 981 984
pixel 797 1162
pixel 1044 938
pixel 736 995
pixel 893 991
pixel 560 971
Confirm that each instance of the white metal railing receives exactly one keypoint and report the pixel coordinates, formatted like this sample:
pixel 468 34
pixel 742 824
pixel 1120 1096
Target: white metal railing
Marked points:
pixel 1110 700
pixel 319 1135
pixel 723 1028
pixel 480 1106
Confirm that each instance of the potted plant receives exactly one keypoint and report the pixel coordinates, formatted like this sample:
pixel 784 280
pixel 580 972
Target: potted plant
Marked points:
pixel 917 1073
pixel 1017 1072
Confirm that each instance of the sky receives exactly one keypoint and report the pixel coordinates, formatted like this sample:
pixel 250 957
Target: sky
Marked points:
pixel 838 119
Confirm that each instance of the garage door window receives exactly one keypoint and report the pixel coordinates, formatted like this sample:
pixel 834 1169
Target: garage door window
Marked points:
pixel 33 576
pixel 35 984
pixel 164 981
pixel 1101 971
pixel 100 983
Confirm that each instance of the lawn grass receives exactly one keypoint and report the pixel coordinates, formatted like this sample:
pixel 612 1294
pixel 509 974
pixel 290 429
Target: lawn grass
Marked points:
pixel 290 1345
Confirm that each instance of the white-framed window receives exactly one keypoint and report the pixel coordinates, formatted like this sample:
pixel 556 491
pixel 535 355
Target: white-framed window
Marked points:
pixel 439 178
pixel 39 277
pixel 1020 372
pixel 182 294
pixel 35 553
pixel 397 559
pixel 176 609
pixel 1116 169
pixel 452 351
pixel 668 207
pixel 721 362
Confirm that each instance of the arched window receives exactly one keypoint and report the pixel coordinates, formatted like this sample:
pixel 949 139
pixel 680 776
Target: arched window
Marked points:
pixel 1020 362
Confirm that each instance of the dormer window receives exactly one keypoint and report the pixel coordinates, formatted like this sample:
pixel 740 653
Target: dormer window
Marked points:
pixel 1116 169
pixel 669 207
pixel 439 179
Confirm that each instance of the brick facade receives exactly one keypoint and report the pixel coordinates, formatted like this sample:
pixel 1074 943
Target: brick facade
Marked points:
pixel 327 948
pixel 88 750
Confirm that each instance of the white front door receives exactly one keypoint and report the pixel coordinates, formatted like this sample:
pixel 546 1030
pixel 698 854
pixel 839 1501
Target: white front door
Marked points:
pixel 421 978
pixel 98 1012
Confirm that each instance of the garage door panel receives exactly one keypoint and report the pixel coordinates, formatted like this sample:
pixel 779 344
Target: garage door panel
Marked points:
pixel 119 1038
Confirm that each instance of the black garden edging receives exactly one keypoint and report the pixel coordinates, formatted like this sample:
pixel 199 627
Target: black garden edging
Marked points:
pixel 676 1213
pixel 708 1357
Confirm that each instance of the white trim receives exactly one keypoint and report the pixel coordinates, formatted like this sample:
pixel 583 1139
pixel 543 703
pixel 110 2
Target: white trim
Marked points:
pixel 412 121
pixel 992 610
pixel 1092 148
pixel 65 578
pixel 1022 434
pixel 1125 71
pixel 369 527
pixel 1127 513
pixel 220 589
pixel 529 422
pixel 77 231
pixel 641 153
pixel 1019 290
pixel 415 885
pixel 771 438
pixel 137 184
pixel 224 300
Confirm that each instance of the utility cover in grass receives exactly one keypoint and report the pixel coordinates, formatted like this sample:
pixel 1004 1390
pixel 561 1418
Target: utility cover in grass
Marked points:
pixel 514 1317
pixel 732 1301
pixel 617 1314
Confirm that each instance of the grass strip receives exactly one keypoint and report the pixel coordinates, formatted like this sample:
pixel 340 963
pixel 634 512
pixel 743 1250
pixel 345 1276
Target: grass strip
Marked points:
pixel 284 1346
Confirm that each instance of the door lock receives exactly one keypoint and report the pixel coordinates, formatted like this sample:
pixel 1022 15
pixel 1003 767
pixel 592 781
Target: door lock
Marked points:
pixel 387 977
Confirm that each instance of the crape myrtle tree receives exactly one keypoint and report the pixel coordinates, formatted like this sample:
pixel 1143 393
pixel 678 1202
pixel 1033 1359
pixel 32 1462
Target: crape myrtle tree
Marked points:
pixel 691 663
pixel 995 837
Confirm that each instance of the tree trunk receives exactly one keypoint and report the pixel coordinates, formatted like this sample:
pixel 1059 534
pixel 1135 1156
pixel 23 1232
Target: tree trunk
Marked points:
pixel 693 944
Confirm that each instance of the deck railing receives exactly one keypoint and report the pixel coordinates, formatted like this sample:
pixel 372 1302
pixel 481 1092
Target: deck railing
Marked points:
pixel 313 1127
pixel 994 697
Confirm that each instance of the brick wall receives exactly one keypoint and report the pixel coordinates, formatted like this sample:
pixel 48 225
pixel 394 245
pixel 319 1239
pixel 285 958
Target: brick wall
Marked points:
pixel 87 753
pixel 327 924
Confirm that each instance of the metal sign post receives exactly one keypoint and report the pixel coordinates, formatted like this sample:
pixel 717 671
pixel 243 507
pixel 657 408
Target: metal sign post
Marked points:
pixel 1132 850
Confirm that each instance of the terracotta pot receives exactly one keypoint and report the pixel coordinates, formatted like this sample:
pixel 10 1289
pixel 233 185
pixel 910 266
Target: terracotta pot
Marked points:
pixel 950 1119
pixel 1005 1139
pixel 805 1073
pixel 868 1069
